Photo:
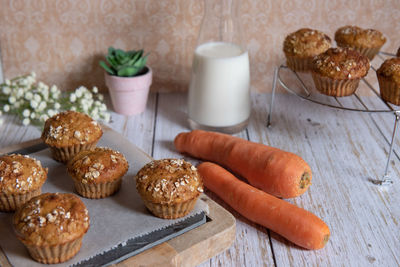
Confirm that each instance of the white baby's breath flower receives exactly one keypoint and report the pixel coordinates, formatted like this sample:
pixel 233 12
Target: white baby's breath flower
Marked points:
pixel 26 113
pixel 6 90
pixel 20 92
pixel 33 74
pixel 107 117
pixel 17 104
pixel 6 108
pixel 26 121
pixel 34 104
pixel 95 116
pixel 78 93
pixel 95 90
pixel 33 116
pixel 103 107
pixel 37 97
pixel 43 117
pixel 42 106
pixel 88 95
pixel 28 95
pixel 51 113
pixel 72 97
pixel 53 89
pixel 100 97
pixel 7 81
pixel 12 99
pixel 57 105
pixel 73 108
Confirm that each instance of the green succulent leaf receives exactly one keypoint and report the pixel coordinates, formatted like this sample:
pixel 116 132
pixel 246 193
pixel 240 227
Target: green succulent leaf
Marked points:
pixel 127 71
pixel 107 68
pixel 124 63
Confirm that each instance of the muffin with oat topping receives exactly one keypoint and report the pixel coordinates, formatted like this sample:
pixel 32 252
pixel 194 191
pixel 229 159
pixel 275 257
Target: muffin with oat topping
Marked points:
pixel 301 46
pixel 97 173
pixel 69 132
pixel 368 42
pixel 337 72
pixel 389 80
pixel 169 187
pixel 51 226
pixel 21 178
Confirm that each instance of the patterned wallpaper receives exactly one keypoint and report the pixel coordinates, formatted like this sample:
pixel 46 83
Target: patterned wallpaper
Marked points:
pixel 63 40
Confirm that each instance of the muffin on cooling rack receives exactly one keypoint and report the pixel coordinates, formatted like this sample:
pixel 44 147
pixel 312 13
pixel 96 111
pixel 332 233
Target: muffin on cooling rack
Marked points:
pixel 21 178
pixel 368 42
pixel 51 226
pixel 338 71
pixel 70 132
pixel 169 187
pixel 389 80
pixel 97 173
pixel 301 46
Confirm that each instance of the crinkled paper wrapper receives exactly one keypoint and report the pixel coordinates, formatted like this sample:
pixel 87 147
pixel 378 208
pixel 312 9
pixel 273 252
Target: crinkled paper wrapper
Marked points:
pixel 113 220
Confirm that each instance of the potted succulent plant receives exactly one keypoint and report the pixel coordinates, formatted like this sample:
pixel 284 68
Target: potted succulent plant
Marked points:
pixel 128 80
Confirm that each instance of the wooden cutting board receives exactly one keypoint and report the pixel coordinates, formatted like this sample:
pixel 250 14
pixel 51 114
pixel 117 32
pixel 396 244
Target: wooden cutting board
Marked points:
pixel 188 249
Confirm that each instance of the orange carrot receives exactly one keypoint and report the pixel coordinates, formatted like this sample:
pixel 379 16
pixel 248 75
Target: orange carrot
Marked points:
pixel 295 224
pixel 277 172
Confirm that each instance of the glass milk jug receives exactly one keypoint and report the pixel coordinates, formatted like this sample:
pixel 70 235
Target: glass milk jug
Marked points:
pixel 219 92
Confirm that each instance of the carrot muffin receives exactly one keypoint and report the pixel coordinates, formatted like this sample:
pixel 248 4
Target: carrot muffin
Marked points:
pixel 389 80
pixel 169 187
pixel 97 173
pixel 368 42
pixel 69 132
pixel 301 46
pixel 51 226
pixel 21 178
pixel 338 71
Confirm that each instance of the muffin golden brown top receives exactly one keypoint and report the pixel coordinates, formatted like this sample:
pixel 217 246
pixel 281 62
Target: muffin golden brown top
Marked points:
pixel 341 63
pixel 354 36
pixel 51 219
pixel 97 166
pixel 20 174
pixel 70 128
pixel 169 181
pixel 390 69
pixel 306 43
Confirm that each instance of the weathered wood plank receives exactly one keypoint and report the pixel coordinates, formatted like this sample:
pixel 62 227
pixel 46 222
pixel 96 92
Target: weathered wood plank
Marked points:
pixel 345 151
pixel 251 247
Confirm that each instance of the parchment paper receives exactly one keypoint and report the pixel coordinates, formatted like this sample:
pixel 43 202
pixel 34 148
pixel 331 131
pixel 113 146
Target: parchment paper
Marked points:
pixel 113 220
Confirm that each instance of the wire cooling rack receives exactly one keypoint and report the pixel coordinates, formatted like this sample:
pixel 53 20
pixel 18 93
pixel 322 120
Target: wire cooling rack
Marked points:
pixel 305 92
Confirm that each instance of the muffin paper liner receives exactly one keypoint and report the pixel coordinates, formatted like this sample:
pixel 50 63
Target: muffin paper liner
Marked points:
pixel 14 201
pixel 370 53
pixel 100 190
pixel 64 154
pixel 54 254
pixel 332 87
pixel 299 64
pixel 170 211
pixel 390 91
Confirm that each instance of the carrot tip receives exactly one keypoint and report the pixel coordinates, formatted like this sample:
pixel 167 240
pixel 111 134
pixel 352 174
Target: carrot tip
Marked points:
pixel 305 180
pixel 326 238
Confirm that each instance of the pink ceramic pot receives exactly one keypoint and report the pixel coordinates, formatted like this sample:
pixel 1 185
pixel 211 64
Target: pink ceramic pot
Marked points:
pixel 129 94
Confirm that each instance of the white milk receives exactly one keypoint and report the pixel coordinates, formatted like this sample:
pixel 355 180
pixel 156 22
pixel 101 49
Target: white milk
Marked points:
pixel 219 93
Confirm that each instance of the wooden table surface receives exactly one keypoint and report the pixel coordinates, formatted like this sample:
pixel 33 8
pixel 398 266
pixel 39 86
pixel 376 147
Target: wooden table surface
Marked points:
pixel 345 151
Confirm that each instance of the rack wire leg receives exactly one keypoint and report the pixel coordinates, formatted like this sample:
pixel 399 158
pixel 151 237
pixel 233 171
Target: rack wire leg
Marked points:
pixel 386 179
pixel 272 96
